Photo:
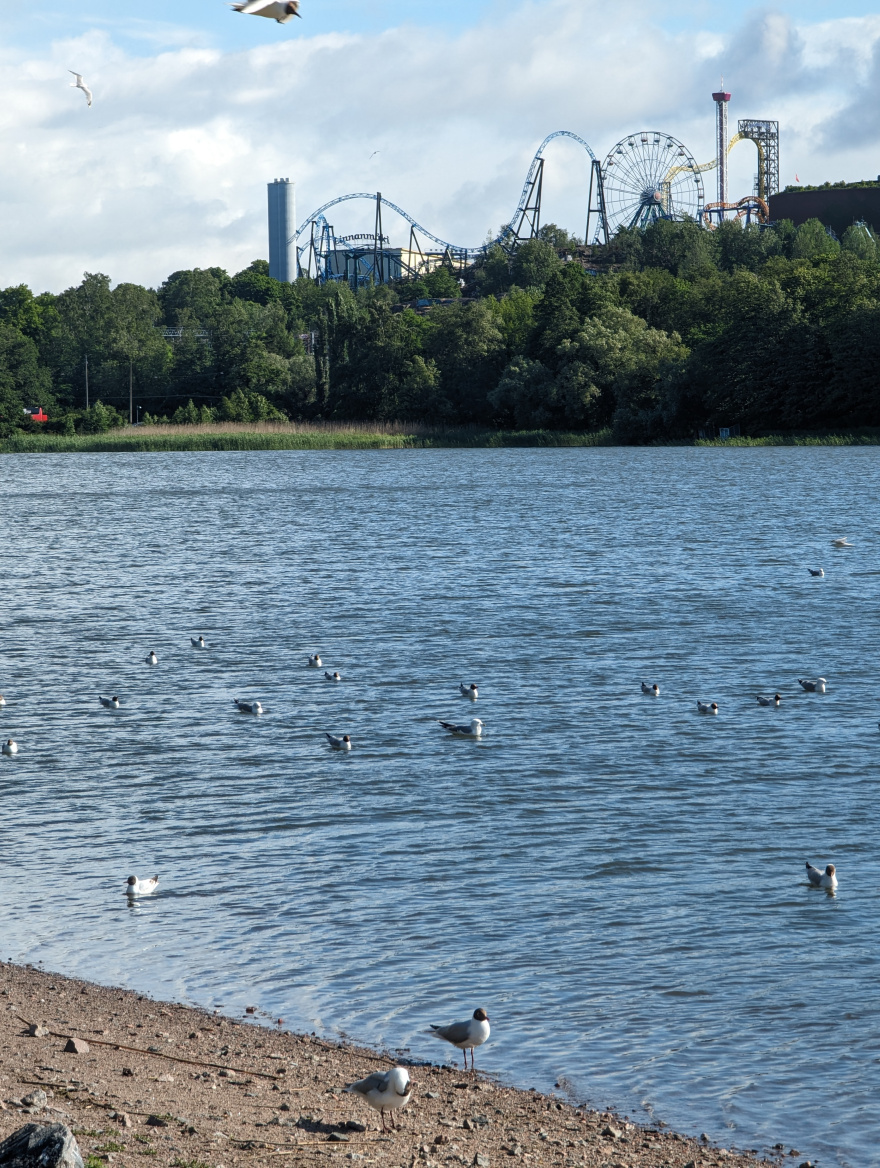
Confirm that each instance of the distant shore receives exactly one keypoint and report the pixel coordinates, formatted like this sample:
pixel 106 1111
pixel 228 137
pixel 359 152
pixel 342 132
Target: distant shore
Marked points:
pixel 370 436
pixel 191 1089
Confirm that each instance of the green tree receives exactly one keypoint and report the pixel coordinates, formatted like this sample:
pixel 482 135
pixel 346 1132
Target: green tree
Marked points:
pixel 812 242
pixel 859 240
pixel 534 262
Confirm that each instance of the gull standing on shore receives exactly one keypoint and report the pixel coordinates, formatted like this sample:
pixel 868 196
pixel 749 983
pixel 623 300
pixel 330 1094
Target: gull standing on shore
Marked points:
pixel 80 84
pixel 389 1092
pixel 820 879
pixel 465 1035
pixel 135 887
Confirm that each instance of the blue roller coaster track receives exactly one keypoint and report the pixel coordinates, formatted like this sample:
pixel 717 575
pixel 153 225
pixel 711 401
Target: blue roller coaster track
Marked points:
pixel 318 249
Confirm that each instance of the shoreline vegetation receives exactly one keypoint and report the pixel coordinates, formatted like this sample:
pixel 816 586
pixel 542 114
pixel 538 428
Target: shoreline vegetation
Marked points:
pixel 134 1078
pixel 231 436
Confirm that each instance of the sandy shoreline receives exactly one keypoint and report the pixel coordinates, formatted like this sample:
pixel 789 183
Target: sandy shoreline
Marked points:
pixel 200 1090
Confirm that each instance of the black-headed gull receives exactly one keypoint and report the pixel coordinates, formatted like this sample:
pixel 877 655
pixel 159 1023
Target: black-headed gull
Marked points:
pixel 135 887
pixel 707 707
pixel 332 676
pixel 2 700
pixel 385 1092
pixel 473 729
pixel 465 1035
pixel 80 84
pixel 843 542
pixel 820 879
pixel 315 661
pixel 765 701
pixel 343 743
pixel 247 707
pixel 469 691
pixel 812 684
pixel 10 747
pixel 199 643
pixel 109 703
pixel 816 571
pixel 280 10
pixel 151 658
pixel 653 691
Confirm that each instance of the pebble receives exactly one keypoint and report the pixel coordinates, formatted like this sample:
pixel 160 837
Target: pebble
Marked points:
pixel 77 1046
pixel 38 1030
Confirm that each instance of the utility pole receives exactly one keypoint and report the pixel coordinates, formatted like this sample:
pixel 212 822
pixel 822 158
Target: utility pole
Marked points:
pixel 130 391
pixel 87 381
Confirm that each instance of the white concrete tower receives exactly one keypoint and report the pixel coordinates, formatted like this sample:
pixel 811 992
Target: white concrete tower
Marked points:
pixel 282 227
pixel 721 99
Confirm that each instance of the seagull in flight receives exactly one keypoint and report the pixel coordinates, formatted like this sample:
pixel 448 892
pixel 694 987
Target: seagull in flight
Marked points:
pixel 80 84
pixel 281 11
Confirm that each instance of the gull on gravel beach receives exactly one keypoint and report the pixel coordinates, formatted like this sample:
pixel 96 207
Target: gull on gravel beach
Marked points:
pixel 109 703
pixel 80 84
pixel 332 676
pixel 135 887
pixel 151 658
pixel 281 11
pixel 473 729
pixel 812 684
pixel 707 707
pixel 820 879
pixel 653 691
pixel 774 701
pixel 469 691
pixel 816 571
pixel 843 542
pixel 315 661
pixel 201 643
pixel 247 707
pixel 388 1092
pixel 465 1035
pixel 343 743
pixel 10 747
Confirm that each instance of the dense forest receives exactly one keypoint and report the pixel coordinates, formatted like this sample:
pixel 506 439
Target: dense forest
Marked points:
pixel 660 335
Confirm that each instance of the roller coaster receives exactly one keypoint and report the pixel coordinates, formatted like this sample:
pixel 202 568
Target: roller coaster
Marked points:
pixel 647 176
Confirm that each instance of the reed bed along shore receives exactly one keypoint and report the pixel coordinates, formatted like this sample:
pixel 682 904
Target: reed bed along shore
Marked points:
pixel 178 1087
pixel 369 436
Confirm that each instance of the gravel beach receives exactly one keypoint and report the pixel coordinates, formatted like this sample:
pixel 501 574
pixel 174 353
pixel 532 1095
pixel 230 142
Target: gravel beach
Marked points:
pixel 153 1083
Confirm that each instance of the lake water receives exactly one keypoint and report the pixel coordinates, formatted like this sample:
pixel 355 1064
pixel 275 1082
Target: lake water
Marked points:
pixel 618 880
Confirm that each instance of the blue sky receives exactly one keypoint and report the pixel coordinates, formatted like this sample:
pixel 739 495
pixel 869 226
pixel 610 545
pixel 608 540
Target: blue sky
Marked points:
pixel 197 108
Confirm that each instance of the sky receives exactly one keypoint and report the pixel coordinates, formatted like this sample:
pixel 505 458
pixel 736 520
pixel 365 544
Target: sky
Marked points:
pixel 440 104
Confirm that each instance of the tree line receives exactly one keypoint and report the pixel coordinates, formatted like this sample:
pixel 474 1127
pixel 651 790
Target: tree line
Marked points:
pixel 659 335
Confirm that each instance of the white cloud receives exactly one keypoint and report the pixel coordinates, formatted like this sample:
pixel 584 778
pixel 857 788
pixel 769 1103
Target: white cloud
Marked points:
pixel 169 168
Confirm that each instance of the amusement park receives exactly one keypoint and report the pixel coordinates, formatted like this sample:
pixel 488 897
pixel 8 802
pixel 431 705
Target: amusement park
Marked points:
pixel 647 176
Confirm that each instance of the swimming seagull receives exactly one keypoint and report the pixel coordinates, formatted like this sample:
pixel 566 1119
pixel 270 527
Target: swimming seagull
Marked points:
pixel 151 658
pixel 343 743
pixel 135 887
pixel 774 701
pixel 473 730
pixel 469 691
pixel 707 707
pixel 80 84
pixel 247 707
pixel 820 879
pixel 282 11
pixel 465 1035
pixel 332 676
pixel 10 747
pixel 653 691
pixel 315 661
pixel 816 571
pixel 812 685
pixel 201 643
pixel 2 700
pixel 844 542
pixel 388 1092
pixel 109 703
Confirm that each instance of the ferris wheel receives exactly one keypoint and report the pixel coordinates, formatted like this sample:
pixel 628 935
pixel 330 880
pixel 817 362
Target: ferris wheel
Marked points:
pixel 649 176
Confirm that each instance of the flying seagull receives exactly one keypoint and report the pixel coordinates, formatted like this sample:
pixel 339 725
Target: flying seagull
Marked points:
pixel 385 1092
pixel 80 84
pixel 280 10
pixel 465 1035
